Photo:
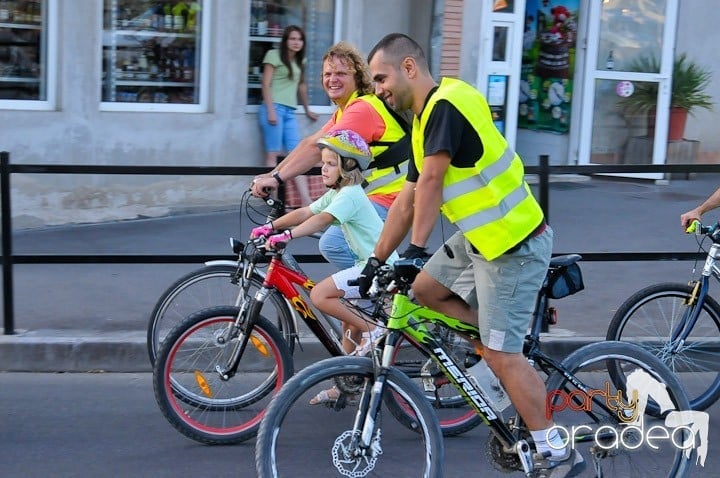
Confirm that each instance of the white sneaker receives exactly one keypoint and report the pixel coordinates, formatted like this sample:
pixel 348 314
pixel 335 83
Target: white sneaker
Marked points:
pixel 567 466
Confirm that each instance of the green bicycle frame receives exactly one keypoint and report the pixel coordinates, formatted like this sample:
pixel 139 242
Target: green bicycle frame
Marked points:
pixel 410 319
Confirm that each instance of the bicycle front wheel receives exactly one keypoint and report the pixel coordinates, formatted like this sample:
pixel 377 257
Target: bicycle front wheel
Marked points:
pixel 651 316
pixel 198 399
pixel 294 432
pixel 210 286
pixel 596 416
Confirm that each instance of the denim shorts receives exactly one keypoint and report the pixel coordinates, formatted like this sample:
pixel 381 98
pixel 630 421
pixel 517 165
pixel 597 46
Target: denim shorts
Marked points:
pixel 502 290
pixel 284 135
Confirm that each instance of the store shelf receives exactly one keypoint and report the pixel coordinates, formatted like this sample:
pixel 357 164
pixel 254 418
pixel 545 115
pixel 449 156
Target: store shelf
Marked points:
pixel 158 84
pixel 18 79
pixel 152 34
pixel 266 39
pixel 23 26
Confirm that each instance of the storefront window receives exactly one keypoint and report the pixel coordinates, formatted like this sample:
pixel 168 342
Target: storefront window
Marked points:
pixel 630 30
pixel 268 19
pixel 152 55
pixel 23 51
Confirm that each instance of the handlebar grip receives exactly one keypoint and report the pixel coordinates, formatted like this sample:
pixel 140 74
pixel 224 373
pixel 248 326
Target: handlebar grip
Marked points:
pixel 693 227
pixel 353 282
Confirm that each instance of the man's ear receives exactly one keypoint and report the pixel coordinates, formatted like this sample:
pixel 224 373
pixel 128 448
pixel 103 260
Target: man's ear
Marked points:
pixel 409 67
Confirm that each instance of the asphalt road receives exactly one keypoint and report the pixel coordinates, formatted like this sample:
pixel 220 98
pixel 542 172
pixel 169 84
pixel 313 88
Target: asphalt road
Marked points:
pixel 90 425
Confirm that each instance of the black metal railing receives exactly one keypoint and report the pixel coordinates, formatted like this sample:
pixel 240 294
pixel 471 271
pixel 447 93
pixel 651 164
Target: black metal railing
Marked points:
pixel 543 171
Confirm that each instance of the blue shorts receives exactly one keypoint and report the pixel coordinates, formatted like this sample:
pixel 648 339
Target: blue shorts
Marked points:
pixel 503 290
pixel 284 135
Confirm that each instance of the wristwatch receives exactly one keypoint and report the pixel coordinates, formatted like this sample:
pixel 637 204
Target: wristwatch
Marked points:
pixel 277 178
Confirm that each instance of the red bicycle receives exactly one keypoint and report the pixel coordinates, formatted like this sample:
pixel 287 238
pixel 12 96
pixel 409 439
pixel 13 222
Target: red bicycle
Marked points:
pixel 217 371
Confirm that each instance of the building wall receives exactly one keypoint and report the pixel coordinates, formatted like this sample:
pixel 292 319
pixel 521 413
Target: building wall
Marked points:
pixel 694 23
pixel 227 135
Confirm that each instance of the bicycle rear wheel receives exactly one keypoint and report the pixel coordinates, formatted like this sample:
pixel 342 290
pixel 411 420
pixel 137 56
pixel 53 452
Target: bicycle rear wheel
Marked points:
pixel 650 316
pixel 210 286
pixel 454 414
pixel 602 435
pixel 192 394
pixel 291 423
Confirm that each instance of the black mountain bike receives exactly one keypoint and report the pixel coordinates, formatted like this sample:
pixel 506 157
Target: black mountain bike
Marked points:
pixel 361 440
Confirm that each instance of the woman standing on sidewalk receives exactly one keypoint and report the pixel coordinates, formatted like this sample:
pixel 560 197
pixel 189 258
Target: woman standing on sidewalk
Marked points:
pixel 282 83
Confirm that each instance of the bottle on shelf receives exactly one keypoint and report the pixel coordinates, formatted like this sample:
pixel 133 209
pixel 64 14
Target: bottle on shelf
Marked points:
pixel 180 13
pixel 4 11
pixel 168 16
pixel 260 18
pixel 193 16
pixel 37 12
pixel 610 62
pixel 188 69
pixel 18 13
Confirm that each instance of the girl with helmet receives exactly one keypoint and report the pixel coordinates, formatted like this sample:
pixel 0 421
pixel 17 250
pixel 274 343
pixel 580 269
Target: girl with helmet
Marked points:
pixel 344 156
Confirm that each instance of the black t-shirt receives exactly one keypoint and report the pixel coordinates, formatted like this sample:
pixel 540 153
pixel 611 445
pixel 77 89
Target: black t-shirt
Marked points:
pixel 448 130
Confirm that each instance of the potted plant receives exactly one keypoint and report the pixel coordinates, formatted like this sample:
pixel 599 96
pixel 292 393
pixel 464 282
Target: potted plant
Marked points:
pixel 689 81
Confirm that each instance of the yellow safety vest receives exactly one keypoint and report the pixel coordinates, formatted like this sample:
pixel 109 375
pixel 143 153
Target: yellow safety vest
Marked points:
pixel 490 203
pixel 391 153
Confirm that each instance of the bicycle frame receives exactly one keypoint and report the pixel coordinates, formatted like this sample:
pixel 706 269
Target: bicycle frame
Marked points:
pixel 285 278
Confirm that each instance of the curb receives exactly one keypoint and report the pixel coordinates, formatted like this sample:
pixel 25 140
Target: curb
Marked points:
pixel 89 351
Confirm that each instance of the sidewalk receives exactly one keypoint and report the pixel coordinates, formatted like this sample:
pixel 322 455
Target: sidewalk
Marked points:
pixel 84 317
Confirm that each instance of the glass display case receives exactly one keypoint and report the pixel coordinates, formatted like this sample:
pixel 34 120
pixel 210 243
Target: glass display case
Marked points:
pixel 152 52
pixel 268 19
pixel 23 50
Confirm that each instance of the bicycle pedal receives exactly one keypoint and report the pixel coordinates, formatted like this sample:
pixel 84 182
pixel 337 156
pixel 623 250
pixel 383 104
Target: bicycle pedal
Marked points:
pixel 429 384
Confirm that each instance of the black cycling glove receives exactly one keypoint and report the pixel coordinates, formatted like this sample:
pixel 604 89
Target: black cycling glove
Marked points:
pixel 367 275
pixel 415 252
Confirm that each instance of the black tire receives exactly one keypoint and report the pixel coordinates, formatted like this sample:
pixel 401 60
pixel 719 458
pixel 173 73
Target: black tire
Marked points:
pixel 590 364
pixel 210 286
pixel 291 423
pixel 650 316
pixel 192 395
pixel 455 416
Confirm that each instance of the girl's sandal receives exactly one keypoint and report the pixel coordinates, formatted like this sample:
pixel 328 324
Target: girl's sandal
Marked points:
pixel 329 396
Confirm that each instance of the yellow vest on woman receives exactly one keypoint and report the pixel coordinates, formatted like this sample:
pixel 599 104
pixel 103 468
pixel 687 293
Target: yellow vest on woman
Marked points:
pixel 490 203
pixel 391 153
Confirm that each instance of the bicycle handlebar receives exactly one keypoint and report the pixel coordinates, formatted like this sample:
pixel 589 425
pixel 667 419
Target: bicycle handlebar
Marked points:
pixel 696 227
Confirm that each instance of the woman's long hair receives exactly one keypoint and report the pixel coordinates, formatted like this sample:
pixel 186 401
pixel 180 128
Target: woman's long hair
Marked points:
pixel 285 52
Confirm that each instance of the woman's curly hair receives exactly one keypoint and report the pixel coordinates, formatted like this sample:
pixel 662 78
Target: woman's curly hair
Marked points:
pixel 355 62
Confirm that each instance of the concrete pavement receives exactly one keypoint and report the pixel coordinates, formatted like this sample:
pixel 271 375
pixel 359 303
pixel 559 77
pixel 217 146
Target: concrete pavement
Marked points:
pixel 82 317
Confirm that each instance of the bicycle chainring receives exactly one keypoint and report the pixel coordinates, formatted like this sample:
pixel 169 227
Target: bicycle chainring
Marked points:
pixel 500 459
pixel 350 460
pixel 350 384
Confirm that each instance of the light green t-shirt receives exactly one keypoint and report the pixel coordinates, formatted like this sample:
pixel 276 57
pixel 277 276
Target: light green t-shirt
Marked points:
pixel 284 89
pixel 356 216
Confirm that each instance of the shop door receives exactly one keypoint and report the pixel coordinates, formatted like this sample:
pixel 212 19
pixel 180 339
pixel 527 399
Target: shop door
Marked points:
pixel 629 57
pixel 499 78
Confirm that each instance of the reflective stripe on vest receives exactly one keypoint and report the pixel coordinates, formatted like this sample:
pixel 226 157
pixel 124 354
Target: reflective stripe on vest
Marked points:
pixel 394 179
pixel 490 203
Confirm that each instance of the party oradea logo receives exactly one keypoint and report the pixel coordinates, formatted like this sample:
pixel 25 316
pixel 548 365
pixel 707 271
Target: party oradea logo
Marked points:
pixel 685 429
